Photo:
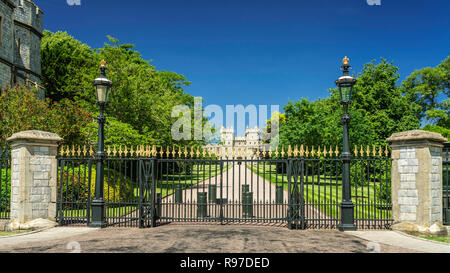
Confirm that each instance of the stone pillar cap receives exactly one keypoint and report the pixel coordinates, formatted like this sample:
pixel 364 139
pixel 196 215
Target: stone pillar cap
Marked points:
pixel 35 135
pixel 415 135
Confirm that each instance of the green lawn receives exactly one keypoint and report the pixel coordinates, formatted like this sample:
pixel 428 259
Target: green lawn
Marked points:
pixel 110 211
pixel 5 188
pixel 438 239
pixel 3 214
pixel 326 194
pixel 166 185
pixel 9 233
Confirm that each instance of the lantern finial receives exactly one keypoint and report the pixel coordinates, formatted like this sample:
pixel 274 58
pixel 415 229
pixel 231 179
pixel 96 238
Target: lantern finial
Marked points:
pixel 103 63
pixel 345 60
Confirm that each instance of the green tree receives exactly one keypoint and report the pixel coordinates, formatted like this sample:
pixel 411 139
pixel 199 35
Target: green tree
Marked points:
pixel 378 109
pixel 142 97
pixel 68 67
pixel 429 87
pixel 116 132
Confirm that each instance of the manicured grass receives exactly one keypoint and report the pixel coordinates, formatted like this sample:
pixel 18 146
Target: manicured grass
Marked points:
pixel 326 193
pixel 110 211
pixel 4 214
pixel 9 233
pixel 166 185
pixel 5 190
pixel 438 239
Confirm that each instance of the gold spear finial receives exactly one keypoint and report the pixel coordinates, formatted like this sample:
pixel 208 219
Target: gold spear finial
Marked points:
pixel 103 63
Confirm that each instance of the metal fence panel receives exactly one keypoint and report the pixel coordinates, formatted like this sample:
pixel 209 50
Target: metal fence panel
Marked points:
pixel 302 192
pixel 5 182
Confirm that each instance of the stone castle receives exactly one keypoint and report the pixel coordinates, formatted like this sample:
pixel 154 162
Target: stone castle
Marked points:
pixel 21 27
pixel 247 147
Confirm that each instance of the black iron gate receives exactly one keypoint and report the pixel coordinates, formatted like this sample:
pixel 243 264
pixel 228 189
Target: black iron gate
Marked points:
pixel 221 190
pixel 301 191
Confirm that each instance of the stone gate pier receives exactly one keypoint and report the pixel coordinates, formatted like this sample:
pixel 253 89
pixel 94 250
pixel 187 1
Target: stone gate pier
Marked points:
pixel 417 181
pixel 33 179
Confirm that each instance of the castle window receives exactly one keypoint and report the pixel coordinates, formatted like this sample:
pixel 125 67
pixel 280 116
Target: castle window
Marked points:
pixel 37 19
pixel 1 32
pixel 19 43
pixel 35 55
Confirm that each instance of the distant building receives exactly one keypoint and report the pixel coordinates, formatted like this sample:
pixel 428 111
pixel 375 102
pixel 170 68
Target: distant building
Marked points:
pixel 21 27
pixel 244 147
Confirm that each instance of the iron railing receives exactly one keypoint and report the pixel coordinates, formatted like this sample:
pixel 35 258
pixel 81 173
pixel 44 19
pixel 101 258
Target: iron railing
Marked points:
pixel 371 192
pixel 74 190
pixel 5 182
pixel 298 190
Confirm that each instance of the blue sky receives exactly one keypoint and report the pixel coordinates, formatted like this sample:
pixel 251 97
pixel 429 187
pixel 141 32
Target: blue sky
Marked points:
pixel 262 52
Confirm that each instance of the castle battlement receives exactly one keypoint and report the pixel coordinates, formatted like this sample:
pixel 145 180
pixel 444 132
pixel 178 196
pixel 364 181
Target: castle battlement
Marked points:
pixel 250 144
pixel 21 27
pixel 29 13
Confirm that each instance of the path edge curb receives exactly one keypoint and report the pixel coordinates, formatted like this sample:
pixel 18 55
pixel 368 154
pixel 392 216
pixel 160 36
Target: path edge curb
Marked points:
pixel 422 239
pixel 25 233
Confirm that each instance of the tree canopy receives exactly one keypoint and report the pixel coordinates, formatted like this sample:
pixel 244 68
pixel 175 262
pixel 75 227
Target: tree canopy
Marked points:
pixel 429 88
pixel 379 108
pixel 142 99
pixel 140 108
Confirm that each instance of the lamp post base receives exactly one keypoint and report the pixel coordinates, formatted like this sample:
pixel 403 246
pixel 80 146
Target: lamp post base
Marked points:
pixel 98 224
pixel 98 214
pixel 347 227
pixel 347 216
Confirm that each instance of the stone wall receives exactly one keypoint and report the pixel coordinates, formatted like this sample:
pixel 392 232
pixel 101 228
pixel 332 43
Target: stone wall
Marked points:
pixel 6 42
pixel 5 75
pixel 30 51
pixel 29 13
pixel 436 184
pixel 20 46
pixel 407 194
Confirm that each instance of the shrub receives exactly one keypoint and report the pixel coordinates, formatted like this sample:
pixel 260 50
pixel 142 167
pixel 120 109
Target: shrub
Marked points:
pixel 5 187
pixel 21 109
pixel 78 188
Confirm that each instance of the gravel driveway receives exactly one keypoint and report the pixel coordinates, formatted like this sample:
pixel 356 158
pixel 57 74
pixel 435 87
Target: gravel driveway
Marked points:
pixel 187 238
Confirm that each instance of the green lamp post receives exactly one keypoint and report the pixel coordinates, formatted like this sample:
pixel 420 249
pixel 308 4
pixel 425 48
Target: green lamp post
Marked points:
pixel 102 88
pixel 346 84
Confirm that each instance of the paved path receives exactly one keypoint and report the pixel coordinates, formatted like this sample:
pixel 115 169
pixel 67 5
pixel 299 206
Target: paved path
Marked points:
pixel 399 239
pixel 175 238
pixel 217 238
pixel 46 235
pixel 229 185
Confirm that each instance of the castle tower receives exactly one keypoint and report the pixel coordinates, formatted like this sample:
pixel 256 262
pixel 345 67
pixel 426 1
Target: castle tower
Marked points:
pixel 252 136
pixel 227 136
pixel 21 26
pixel 250 144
